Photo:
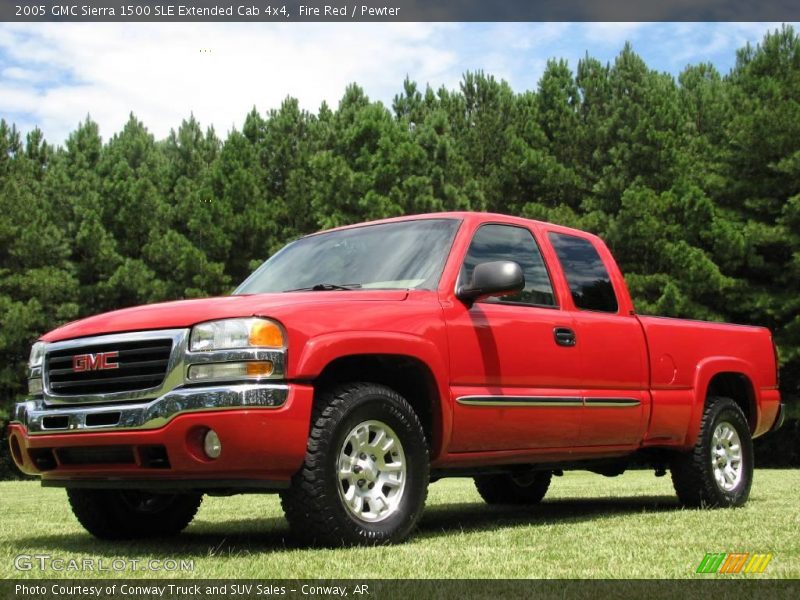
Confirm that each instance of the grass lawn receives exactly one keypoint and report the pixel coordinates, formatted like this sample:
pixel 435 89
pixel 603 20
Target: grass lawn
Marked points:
pixel 588 526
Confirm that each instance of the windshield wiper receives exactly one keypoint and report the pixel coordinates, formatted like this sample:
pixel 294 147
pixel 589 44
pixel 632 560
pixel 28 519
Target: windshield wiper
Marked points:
pixel 327 287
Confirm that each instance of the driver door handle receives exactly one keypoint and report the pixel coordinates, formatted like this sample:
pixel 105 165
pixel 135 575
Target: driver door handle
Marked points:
pixel 564 336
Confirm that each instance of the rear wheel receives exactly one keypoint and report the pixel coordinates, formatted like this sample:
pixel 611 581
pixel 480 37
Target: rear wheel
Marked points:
pixel 130 514
pixel 365 475
pixel 718 472
pixel 528 488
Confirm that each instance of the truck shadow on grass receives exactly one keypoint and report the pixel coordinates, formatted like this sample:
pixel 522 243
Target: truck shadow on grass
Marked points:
pixel 477 517
pixel 245 536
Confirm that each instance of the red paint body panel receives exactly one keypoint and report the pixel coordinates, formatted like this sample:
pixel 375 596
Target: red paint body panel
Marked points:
pixel 185 313
pixel 661 368
pixel 488 428
pixel 688 354
pixel 509 350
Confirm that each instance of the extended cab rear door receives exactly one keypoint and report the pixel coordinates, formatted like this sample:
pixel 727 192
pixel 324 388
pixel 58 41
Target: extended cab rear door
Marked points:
pixel 609 340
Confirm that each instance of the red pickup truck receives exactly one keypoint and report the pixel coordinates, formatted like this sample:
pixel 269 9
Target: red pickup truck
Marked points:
pixel 358 364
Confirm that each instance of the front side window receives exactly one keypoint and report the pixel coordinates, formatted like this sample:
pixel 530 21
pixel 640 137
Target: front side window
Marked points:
pixel 586 274
pixel 401 255
pixel 506 242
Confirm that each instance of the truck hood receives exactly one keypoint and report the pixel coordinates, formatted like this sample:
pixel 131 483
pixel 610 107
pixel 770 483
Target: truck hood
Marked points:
pixel 185 313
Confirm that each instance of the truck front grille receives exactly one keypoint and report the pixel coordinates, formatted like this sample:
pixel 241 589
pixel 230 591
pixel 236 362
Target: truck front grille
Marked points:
pixel 108 367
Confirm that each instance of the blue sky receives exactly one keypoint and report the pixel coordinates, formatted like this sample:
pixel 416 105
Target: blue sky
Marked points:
pixel 53 74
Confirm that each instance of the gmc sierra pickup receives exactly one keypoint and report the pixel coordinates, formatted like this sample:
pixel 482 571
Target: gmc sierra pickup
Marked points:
pixel 358 364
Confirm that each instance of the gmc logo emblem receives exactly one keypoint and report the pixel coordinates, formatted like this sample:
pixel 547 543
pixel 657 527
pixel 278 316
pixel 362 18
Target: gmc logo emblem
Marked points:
pixel 95 362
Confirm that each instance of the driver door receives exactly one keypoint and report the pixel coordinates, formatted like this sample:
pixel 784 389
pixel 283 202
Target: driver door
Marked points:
pixel 516 384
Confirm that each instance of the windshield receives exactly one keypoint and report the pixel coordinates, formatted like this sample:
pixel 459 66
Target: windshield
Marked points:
pixel 402 255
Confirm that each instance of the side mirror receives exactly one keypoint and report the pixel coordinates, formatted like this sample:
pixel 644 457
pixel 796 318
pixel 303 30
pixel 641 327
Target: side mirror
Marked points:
pixel 497 278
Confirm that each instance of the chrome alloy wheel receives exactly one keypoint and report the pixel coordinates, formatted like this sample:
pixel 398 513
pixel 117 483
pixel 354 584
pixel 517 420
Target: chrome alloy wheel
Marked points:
pixel 726 456
pixel 371 471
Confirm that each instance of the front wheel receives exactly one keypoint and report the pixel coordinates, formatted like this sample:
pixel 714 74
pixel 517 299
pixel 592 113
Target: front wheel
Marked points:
pixel 130 514
pixel 718 472
pixel 365 475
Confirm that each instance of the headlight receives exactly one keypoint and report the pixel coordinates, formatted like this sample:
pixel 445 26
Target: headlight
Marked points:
pixel 236 333
pixel 37 354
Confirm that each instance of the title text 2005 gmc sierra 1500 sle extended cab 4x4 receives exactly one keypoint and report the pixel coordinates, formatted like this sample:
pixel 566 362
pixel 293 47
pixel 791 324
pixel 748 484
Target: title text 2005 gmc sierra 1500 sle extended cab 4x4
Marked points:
pixel 358 364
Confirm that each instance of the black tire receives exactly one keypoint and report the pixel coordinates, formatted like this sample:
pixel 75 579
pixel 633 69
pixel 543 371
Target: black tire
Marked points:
pixel 314 506
pixel 130 514
pixel 693 473
pixel 529 488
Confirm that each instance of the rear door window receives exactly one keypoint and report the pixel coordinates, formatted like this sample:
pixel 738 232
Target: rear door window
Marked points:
pixel 587 276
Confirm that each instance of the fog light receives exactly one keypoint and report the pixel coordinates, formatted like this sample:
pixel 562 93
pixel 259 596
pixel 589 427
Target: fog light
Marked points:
pixel 211 444
pixel 230 371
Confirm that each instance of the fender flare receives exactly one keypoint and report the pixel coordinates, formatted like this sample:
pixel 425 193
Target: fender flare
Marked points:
pixel 318 352
pixel 705 371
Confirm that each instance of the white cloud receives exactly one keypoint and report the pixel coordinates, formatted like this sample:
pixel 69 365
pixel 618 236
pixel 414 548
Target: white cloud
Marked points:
pixel 53 74
pixel 164 72
pixel 26 75
pixel 524 36
pixel 614 34
pixel 691 43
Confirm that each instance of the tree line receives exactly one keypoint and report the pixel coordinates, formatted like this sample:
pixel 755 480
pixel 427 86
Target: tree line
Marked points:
pixel 694 182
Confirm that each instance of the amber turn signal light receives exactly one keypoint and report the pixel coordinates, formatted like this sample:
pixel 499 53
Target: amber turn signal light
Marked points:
pixel 266 334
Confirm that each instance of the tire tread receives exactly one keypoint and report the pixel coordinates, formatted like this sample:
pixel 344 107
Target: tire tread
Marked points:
pixel 691 472
pixel 308 504
pixel 103 515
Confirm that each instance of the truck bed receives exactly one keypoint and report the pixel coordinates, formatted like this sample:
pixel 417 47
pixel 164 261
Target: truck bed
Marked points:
pixel 685 355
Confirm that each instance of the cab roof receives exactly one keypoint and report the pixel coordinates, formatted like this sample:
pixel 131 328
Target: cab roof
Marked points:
pixel 468 217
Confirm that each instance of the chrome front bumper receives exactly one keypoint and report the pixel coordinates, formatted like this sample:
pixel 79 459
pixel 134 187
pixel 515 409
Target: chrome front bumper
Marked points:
pixel 39 419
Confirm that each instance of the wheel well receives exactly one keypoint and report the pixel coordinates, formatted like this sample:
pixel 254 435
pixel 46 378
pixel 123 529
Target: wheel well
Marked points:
pixel 738 388
pixel 406 375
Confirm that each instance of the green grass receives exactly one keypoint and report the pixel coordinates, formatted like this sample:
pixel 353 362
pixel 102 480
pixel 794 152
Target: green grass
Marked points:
pixel 588 526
